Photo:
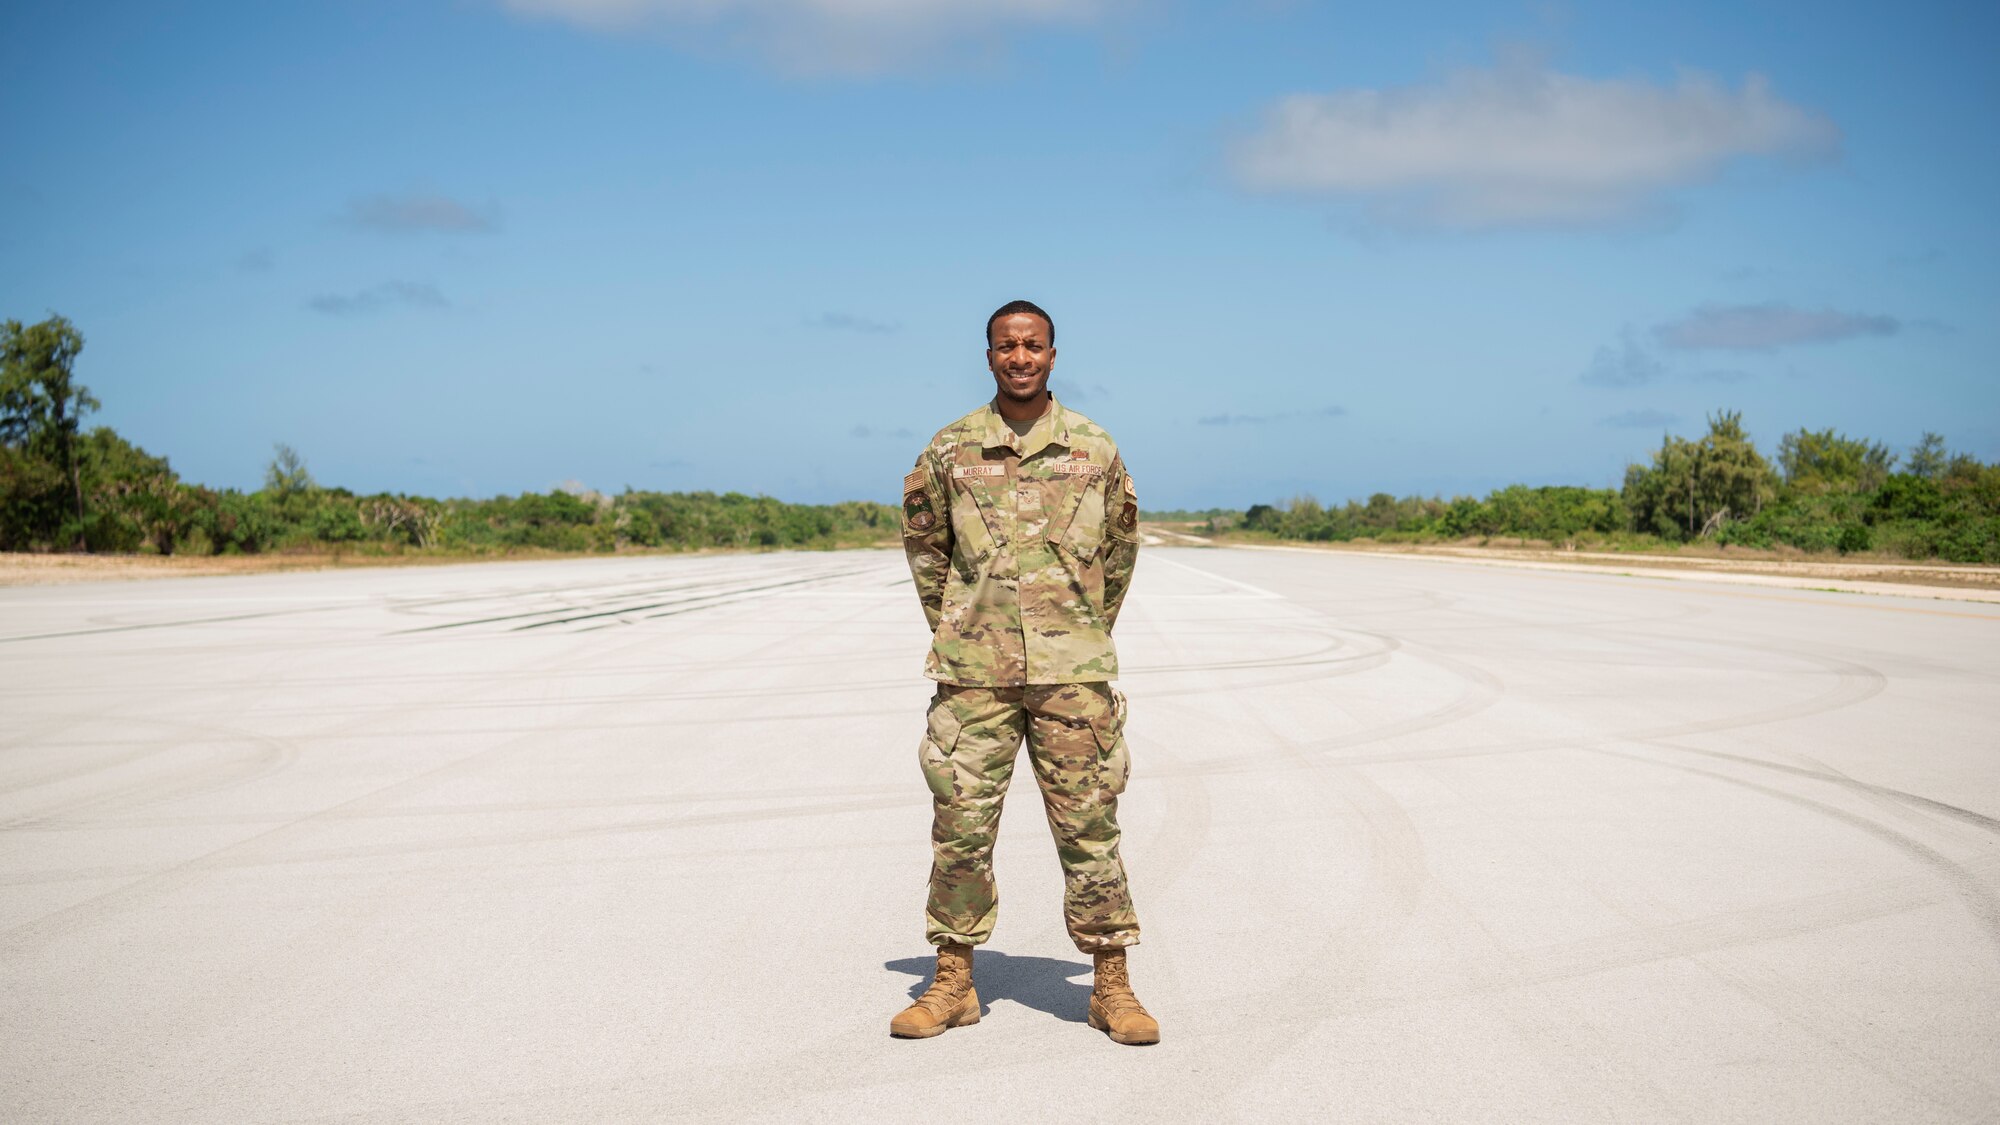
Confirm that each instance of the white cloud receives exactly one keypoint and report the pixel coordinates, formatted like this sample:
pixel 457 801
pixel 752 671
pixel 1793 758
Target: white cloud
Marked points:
pixel 389 294
pixel 1261 419
pixel 1520 145
pixel 821 35
pixel 1756 328
pixel 1630 364
pixel 410 214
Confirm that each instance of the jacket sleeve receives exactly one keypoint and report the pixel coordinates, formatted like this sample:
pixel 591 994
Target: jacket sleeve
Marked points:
pixel 1121 547
pixel 927 538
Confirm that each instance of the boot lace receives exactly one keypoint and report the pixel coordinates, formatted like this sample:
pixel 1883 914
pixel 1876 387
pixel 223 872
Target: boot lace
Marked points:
pixel 946 990
pixel 1114 991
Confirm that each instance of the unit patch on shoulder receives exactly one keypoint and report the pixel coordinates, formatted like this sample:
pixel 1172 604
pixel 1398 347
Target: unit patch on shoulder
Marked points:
pixel 917 514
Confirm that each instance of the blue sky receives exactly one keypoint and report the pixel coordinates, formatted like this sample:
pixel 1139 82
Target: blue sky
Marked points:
pixel 467 247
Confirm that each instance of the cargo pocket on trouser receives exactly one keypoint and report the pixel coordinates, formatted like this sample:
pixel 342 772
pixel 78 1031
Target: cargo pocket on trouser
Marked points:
pixel 941 730
pixel 1116 760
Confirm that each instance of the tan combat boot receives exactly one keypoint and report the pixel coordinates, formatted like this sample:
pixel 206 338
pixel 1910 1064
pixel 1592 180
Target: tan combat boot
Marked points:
pixel 1113 1007
pixel 950 1001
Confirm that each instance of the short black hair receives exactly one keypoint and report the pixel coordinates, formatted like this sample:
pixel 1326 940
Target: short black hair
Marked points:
pixel 1012 307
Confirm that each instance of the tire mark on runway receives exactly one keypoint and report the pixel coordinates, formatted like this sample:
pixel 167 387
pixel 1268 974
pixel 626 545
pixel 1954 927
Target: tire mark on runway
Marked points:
pixel 1697 940
pixel 1474 697
pixel 260 615
pixel 620 588
pixel 385 715
pixel 1943 1081
pixel 403 849
pixel 735 594
pixel 1835 777
pixel 1858 683
pixel 1855 684
pixel 1396 861
pixel 1190 813
pixel 225 768
pixel 1400 872
pixel 174 687
pixel 1979 900
pixel 417 812
pixel 37 781
pixel 210 620
pixel 1357 662
pixel 159 881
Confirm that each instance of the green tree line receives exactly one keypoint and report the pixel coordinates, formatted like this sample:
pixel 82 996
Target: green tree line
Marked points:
pixel 63 487
pixel 1826 492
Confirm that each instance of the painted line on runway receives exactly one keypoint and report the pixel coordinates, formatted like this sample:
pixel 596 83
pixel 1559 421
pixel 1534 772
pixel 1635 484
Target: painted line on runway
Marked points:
pixel 171 624
pixel 1254 591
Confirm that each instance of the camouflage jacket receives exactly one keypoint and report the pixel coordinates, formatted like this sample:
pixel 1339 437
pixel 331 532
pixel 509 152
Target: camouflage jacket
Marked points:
pixel 1022 548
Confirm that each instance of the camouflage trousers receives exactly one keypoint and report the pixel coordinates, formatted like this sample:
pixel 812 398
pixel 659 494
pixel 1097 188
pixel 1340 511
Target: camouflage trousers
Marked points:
pixel 1076 745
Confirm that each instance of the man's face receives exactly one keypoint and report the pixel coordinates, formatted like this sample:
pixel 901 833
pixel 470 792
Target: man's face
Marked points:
pixel 1019 354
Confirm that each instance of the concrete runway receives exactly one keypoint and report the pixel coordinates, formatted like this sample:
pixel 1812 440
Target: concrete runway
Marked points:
pixel 634 839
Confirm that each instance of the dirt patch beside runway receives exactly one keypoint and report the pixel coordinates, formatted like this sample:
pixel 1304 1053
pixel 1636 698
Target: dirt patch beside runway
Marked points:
pixel 20 569
pixel 54 569
pixel 1849 570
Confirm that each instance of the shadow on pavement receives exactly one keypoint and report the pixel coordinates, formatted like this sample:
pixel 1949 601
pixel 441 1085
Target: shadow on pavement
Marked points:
pixel 1041 983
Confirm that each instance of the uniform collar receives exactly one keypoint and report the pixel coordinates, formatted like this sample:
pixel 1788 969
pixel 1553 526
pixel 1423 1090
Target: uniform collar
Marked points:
pixel 1052 428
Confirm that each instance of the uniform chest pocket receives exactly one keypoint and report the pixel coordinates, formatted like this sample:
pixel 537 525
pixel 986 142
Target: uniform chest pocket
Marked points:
pixel 1083 534
pixel 974 512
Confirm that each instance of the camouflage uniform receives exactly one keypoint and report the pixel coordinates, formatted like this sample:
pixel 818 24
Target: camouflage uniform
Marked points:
pixel 1022 548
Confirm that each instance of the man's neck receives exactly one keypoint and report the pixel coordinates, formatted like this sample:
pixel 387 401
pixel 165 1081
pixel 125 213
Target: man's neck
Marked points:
pixel 1023 411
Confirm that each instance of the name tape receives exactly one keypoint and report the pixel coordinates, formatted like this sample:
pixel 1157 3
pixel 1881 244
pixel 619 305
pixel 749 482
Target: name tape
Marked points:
pixel 960 472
